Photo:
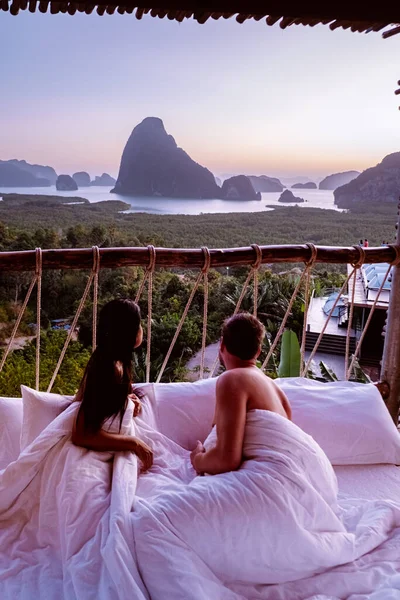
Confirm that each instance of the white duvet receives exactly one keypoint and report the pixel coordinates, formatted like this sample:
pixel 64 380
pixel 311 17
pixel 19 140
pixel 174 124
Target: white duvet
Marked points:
pixel 79 525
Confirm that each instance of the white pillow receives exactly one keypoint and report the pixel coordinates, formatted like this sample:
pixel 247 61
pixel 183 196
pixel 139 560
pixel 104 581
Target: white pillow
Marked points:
pixel 185 411
pixel 10 430
pixel 39 410
pixel 348 420
pixel 146 393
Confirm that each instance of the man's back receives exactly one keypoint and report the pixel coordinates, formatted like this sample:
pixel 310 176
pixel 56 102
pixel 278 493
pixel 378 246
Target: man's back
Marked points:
pixel 256 390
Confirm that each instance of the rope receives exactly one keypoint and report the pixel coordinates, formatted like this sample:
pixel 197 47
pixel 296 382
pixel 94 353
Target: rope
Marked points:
pixel 146 274
pixel 150 271
pixel 357 265
pixel 285 318
pixel 75 321
pixel 309 266
pixel 396 249
pixel 360 341
pixel 38 272
pixel 200 276
pixel 205 269
pixel 255 268
pixel 96 268
pixel 23 308
pixel 327 320
pixel 252 273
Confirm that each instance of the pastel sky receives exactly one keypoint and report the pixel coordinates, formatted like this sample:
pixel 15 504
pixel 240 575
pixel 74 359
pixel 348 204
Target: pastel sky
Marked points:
pixel 238 98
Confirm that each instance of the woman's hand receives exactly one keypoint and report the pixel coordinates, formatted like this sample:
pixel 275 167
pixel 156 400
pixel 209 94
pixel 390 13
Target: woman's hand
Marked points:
pixel 138 405
pixel 198 450
pixel 144 454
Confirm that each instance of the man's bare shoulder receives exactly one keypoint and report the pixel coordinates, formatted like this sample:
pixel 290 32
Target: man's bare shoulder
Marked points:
pixel 244 377
pixel 233 375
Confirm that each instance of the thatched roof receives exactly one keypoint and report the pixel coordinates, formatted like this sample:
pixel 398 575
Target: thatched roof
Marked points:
pixel 356 16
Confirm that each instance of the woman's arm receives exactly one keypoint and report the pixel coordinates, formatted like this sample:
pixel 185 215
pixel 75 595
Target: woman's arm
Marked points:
pixel 102 441
pixel 230 421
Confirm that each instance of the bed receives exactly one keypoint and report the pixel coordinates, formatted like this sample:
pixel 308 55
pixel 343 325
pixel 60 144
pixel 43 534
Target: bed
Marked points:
pixel 82 542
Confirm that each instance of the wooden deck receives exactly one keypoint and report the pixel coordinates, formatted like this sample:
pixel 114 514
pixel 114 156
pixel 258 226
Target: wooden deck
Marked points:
pixel 316 319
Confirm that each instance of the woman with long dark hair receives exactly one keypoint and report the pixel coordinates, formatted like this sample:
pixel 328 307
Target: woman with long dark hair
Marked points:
pixel 106 387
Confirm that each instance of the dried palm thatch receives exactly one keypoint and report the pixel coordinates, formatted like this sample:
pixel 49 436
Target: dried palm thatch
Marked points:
pixel 358 17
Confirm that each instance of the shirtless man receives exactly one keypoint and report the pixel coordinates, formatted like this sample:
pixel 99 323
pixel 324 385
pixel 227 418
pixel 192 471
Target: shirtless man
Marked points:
pixel 242 387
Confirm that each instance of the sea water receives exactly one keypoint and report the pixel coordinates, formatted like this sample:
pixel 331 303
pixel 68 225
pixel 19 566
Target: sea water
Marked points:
pixel 188 206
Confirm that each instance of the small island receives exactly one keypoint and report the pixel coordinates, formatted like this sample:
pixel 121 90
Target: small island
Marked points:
pixel 81 178
pixel 239 188
pixel 105 180
pixel 266 184
pixel 65 183
pixel 288 197
pixel 310 185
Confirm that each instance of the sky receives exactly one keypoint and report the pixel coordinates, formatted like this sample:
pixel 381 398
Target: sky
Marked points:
pixel 238 98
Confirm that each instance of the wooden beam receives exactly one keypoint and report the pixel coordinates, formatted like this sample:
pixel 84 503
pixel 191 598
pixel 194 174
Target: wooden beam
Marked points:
pixel 111 258
pixel 390 372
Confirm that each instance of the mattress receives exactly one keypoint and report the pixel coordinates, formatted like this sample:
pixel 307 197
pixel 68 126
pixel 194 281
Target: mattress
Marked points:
pixel 369 482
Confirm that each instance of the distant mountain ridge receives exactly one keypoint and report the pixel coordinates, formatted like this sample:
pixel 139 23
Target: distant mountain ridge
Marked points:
pixel 374 185
pixel 337 179
pixel 153 165
pixel 12 176
pixel 38 171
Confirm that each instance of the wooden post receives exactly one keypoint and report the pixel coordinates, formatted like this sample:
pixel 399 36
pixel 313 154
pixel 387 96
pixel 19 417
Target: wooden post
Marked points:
pixel 391 353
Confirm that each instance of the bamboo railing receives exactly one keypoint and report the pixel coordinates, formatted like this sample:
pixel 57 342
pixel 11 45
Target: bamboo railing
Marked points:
pixel 110 258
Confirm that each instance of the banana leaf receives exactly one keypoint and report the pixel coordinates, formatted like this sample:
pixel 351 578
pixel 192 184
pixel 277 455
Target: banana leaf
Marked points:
pixel 289 365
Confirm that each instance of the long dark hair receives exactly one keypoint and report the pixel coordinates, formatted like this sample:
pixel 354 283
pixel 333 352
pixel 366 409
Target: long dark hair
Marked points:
pixel 107 381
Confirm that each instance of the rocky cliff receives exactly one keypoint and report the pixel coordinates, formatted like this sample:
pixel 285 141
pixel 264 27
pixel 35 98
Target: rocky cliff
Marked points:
pixel 337 179
pixel 239 188
pixel 65 183
pixel 264 184
pixel 310 185
pixel 375 185
pixel 153 165
pixel 38 171
pixel 12 176
pixel 104 179
pixel 288 196
pixel 82 179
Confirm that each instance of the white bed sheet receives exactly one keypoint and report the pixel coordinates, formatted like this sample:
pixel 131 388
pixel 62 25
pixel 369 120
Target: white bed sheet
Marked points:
pixel 369 482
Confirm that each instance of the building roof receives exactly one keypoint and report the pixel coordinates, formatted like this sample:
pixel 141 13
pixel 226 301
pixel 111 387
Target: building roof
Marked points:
pixel 374 276
pixel 330 302
pixel 361 17
pixel 368 282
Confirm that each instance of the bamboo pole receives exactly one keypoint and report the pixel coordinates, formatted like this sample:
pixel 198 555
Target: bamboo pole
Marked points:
pixel 110 258
pixel 390 372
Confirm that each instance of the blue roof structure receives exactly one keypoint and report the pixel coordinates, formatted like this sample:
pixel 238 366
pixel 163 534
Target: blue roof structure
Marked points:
pixel 374 276
pixel 330 302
